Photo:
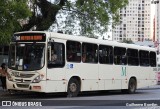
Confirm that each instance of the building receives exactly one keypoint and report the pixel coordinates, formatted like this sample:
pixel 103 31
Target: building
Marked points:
pixel 135 22
pixel 156 21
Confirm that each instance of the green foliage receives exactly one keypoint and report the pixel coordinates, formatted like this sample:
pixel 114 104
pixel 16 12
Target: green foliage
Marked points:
pixel 83 17
pixel 11 14
pixel 93 16
pixel 80 17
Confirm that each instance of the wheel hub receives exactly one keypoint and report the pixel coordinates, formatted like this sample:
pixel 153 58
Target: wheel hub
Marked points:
pixel 73 87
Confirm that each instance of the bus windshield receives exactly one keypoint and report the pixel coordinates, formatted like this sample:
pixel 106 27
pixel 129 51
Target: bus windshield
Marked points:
pixel 28 56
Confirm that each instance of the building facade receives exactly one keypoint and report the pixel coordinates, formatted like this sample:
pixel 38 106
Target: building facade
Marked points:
pixel 157 20
pixel 135 22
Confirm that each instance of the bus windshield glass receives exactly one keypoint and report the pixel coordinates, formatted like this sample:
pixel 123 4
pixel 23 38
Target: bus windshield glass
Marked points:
pixel 26 57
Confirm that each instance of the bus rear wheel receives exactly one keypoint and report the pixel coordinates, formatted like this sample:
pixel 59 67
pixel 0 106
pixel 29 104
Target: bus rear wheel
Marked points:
pixel 73 87
pixel 132 86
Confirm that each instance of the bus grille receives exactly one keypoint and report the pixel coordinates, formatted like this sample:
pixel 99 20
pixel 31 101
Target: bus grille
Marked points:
pixel 22 80
pixel 23 85
pixel 22 75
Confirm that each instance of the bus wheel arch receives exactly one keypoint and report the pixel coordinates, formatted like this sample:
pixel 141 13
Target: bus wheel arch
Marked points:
pixel 132 85
pixel 74 86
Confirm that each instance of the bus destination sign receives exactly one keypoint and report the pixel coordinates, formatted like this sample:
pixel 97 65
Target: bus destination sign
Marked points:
pixel 29 37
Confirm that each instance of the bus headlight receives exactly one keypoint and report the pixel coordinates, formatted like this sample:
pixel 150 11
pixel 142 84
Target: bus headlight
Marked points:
pixel 38 79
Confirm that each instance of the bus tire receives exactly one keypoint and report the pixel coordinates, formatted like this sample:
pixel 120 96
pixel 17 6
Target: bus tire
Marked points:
pixel 73 87
pixel 132 86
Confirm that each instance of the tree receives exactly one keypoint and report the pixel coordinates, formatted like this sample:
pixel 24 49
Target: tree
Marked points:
pixel 43 14
pixel 11 14
pixel 91 16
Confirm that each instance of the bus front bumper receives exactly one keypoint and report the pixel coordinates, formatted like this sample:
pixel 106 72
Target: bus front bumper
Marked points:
pixel 35 87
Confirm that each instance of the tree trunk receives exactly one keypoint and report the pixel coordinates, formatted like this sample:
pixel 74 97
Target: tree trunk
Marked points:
pixel 47 17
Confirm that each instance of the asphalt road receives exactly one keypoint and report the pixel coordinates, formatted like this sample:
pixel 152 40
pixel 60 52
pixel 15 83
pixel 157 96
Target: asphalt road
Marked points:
pixel 145 98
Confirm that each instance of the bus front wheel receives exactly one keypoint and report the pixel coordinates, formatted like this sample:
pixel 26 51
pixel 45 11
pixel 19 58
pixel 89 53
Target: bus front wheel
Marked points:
pixel 73 88
pixel 132 86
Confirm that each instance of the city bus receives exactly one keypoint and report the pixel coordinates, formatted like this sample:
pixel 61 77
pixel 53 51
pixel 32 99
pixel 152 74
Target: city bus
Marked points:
pixel 81 64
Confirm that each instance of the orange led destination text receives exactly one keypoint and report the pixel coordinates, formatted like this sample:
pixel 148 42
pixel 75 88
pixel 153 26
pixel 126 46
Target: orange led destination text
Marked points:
pixel 31 38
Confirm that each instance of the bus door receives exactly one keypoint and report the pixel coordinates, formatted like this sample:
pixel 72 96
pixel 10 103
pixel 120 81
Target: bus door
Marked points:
pixel 55 65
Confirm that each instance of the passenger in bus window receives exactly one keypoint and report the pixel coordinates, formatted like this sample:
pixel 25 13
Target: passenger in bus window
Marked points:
pixel 91 58
pixel 123 59
pixel 53 56
pixel 70 55
pixel 84 57
pixel 115 59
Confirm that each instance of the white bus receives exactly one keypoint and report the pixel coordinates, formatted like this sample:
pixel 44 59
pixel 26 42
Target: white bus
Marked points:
pixel 78 64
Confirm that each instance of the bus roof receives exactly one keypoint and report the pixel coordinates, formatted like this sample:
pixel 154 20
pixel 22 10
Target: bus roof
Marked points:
pixel 90 40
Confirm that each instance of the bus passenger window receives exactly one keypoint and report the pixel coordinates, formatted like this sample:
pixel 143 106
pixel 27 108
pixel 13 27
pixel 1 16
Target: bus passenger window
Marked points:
pixel 56 55
pixel 152 59
pixel 105 54
pixel 73 51
pixel 89 52
pixel 144 58
pixel 120 56
pixel 132 57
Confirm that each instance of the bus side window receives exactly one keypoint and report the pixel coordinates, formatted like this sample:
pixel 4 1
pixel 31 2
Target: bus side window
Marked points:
pixel 120 57
pixel 56 55
pixel 132 57
pixel 153 59
pixel 144 58
pixel 105 54
pixel 73 51
pixel 90 54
